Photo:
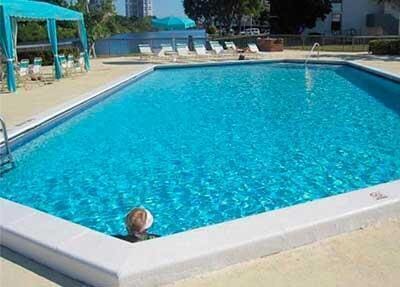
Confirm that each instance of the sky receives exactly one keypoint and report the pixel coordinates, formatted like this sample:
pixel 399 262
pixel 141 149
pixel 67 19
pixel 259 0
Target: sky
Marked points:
pixel 161 8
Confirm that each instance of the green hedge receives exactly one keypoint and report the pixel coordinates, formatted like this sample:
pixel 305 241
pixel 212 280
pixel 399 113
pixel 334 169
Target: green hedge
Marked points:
pixel 385 47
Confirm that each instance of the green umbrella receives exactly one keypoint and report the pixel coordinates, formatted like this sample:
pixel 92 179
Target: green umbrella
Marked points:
pixel 173 23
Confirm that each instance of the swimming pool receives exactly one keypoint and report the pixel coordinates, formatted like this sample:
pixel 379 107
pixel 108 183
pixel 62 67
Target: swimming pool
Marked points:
pixel 203 145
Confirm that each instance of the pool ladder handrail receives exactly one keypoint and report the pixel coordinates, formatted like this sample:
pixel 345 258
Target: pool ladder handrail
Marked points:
pixel 6 156
pixel 315 46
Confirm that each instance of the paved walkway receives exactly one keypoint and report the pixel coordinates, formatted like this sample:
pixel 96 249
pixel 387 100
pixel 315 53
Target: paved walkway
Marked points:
pixel 363 258
pixel 18 271
pixel 27 104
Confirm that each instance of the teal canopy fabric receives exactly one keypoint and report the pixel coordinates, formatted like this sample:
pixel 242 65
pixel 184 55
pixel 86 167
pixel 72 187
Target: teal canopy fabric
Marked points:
pixel 13 10
pixel 30 9
pixel 52 33
pixel 84 41
pixel 173 23
pixel 14 26
pixel 6 41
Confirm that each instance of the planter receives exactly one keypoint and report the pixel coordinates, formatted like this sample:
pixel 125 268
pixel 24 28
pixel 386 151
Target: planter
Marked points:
pixel 270 44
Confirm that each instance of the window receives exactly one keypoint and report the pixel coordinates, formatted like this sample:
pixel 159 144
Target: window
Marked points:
pixel 336 24
pixel 337 6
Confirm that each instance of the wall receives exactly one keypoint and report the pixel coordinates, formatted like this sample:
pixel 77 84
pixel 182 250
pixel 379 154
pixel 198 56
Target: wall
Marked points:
pixel 354 14
pixel 393 10
pixel 125 44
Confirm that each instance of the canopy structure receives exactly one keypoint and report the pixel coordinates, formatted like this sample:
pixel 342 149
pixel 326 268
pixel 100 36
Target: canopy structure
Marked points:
pixel 13 10
pixel 173 23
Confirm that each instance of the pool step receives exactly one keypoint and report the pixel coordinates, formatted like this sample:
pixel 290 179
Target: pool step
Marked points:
pixel 6 159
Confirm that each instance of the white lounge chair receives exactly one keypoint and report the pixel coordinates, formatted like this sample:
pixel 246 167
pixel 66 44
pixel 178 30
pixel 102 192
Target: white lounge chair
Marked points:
pixel 80 64
pixel 253 48
pixel 182 50
pixel 166 50
pixel 230 46
pixel 23 72
pixel 36 69
pixel 216 47
pixel 70 64
pixel 200 50
pixel 63 63
pixel 145 50
pixel 2 76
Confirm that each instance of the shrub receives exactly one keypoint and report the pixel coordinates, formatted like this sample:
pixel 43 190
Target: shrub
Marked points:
pixel 211 30
pixel 385 47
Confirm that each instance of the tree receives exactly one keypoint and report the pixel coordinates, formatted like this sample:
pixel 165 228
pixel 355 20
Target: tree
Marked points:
pixel 225 13
pixel 251 8
pixel 200 11
pixel 292 16
pixel 32 31
pixel 100 20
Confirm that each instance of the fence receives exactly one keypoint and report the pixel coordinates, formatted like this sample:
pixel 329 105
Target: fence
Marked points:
pixel 300 42
pixel 121 47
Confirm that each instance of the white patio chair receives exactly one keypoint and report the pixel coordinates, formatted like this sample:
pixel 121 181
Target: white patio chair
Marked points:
pixel 200 50
pixel 70 63
pixel 253 48
pixel 166 50
pixel 79 65
pixel 182 50
pixel 36 69
pixel 23 72
pixel 2 75
pixel 216 47
pixel 63 63
pixel 230 46
pixel 145 50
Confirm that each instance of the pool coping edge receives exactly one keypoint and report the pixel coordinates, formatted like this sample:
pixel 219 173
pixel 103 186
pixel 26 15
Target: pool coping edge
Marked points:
pixel 85 254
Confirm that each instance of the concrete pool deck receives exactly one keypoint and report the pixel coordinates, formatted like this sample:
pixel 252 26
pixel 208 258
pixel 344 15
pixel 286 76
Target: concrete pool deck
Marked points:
pixel 50 107
pixel 366 257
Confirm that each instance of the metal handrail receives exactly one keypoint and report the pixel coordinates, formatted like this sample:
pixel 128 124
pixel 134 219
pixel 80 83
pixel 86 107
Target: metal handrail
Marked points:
pixel 6 143
pixel 315 46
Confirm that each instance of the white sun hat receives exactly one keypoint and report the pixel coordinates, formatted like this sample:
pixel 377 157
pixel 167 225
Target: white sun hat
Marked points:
pixel 149 220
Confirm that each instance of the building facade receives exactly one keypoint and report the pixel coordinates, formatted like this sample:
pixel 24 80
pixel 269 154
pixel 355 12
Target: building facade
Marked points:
pixel 139 8
pixel 359 17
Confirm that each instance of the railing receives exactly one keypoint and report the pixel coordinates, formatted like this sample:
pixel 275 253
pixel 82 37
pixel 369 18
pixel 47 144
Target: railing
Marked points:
pixel 341 43
pixel 121 47
pixel 314 47
pixel 5 157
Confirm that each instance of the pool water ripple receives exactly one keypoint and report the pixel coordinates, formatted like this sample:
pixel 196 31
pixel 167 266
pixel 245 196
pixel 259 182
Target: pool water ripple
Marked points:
pixel 203 145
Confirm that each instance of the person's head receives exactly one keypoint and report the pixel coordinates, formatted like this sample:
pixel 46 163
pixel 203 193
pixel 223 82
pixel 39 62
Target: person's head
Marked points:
pixel 138 220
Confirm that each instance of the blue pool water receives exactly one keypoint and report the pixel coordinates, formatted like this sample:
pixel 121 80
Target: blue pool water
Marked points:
pixel 204 145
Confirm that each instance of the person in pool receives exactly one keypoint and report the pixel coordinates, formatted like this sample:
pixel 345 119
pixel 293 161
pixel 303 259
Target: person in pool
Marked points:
pixel 137 222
